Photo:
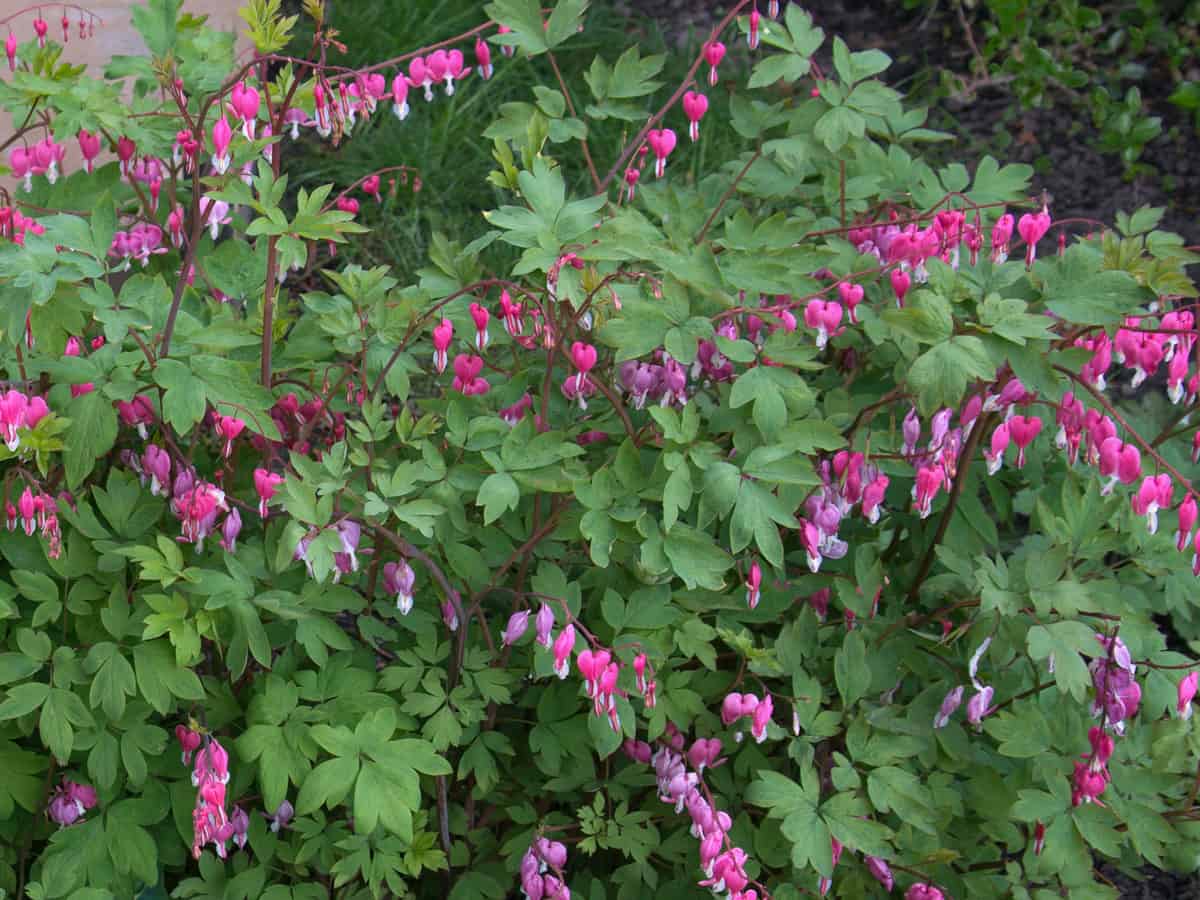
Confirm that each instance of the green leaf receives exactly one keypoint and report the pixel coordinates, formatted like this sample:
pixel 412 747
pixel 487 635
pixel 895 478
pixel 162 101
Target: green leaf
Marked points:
pixel 1064 642
pixel 524 18
pixel 327 785
pixel 837 125
pixel 23 699
pixel 498 494
pixel 941 374
pixel 850 669
pixel 185 400
pixel 696 558
pixel 379 798
pixel 159 677
pixel 1075 287
pixel 91 435
pixel 893 789
pixel 156 23
pixel 112 679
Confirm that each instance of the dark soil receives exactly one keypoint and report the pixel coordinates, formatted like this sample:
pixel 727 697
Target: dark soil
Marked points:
pixel 1081 182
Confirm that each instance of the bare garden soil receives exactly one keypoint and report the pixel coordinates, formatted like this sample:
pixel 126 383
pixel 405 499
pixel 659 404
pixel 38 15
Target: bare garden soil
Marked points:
pixel 1058 141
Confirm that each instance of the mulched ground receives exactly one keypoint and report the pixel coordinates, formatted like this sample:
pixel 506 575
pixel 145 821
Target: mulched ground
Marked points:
pixel 1081 181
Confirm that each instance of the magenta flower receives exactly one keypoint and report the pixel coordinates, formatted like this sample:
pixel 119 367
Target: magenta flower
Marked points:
pixel 714 52
pixel 661 142
pixel 1187 691
pixel 466 375
pixel 222 136
pixel 227 429
pixel 265 485
pixel 695 105
pixel 753 580
pixel 70 802
pixel 564 644
pixel 443 333
pixel 881 872
pixel 480 316
pixel 901 282
pixel 1033 227
pixel 245 103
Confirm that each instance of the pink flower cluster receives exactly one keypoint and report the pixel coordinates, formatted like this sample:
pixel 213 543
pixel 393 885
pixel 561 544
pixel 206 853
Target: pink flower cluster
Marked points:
pixel 210 774
pixel 736 707
pixel 344 103
pixel 19 413
pixel 847 481
pixel 37 512
pixel 909 246
pixel 138 243
pixel 303 425
pixel 663 382
pixel 43 158
pixel 542 871
pixel 679 776
pixel 601 673
pixel 197 504
pixel 13 225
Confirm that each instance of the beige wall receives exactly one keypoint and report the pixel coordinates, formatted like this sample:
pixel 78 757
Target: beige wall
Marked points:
pixel 115 36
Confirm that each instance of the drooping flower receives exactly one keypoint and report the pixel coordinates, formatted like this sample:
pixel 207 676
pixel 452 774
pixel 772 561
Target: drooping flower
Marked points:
pixel 1033 227
pixel 714 52
pixel 661 142
pixel 881 872
pixel 949 704
pixel 245 102
pixel 544 625
pixel 227 429
pixel 564 644
pixel 901 281
pixel 753 580
pixel 480 316
pixel 399 579
pixel 466 375
pixel 979 706
pixel 443 333
pixel 518 623
pixel 695 105
pixel 70 802
pixel 281 817
pixel 230 530
pixel 1187 691
pixel 851 295
pixel 222 137
pixel 1187 519
pixel 1022 430
pixel 266 483
pixel 483 59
